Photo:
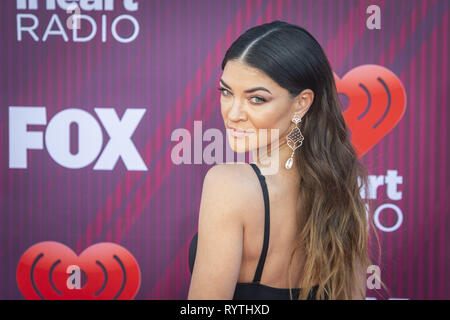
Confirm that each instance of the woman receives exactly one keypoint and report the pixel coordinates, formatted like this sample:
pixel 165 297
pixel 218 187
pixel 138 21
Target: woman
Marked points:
pixel 302 232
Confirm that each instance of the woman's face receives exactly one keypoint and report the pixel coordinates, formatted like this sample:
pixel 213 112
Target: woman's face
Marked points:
pixel 251 101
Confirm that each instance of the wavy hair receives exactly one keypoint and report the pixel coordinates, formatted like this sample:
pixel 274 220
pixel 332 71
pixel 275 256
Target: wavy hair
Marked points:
pixel 333 218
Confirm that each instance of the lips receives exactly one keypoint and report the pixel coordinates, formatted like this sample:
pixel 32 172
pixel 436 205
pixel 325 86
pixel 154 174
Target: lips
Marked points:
pixel 239 133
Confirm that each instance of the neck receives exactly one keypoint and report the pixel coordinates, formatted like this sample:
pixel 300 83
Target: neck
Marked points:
pixel 272 158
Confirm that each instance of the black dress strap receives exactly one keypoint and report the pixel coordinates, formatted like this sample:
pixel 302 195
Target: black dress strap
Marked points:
pixel 262 258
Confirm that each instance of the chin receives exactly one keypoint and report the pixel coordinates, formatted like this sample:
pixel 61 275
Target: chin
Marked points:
pixel 239 146
pixel 243 145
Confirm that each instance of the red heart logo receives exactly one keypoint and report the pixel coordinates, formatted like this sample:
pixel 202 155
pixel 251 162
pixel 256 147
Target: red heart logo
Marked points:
pixel 377 103
pixel 51 270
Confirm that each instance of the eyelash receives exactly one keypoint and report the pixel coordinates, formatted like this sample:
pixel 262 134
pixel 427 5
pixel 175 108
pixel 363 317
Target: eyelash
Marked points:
pixel 261 98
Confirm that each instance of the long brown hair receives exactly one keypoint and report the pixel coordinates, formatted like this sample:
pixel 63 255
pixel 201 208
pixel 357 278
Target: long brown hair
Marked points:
pixel 333 218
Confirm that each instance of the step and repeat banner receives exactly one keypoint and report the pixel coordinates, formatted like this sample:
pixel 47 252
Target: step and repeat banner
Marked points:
pixel 108 110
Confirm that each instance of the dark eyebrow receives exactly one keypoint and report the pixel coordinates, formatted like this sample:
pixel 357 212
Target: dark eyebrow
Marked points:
pixel 248 90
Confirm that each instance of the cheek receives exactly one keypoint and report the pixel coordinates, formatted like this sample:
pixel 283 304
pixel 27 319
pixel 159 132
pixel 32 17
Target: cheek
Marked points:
pixel 272 117
pixel 267 116
pixel 275 121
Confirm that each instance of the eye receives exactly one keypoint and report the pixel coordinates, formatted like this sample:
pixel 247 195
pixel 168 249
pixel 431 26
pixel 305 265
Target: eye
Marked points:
pixel 262 100
pixel 224 91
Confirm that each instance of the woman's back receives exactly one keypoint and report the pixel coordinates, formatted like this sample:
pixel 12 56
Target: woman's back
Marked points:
pixel 268 238
pixel 282 195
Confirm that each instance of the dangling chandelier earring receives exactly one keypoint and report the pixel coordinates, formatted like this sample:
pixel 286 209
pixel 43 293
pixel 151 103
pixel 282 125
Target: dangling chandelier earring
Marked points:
pixel 294 140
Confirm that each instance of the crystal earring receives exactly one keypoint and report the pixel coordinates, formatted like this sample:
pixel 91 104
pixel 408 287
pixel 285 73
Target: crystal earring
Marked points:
pixel 294 140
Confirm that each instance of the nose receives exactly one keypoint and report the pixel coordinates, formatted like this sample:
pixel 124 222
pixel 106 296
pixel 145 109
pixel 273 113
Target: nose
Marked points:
pixel 237 112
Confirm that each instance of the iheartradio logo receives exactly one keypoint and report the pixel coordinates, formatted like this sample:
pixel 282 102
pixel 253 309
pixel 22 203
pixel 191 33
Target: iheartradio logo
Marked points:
pixel 377 102
pixel 104 271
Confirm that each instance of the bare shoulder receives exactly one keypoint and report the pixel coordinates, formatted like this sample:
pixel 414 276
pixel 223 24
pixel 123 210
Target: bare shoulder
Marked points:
pixel 224 202
pixel 232 179
pixel 237 173
pixel 231 185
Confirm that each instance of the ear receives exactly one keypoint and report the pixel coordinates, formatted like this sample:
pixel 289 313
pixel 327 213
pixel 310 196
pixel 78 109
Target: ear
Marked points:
pixel 303 101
